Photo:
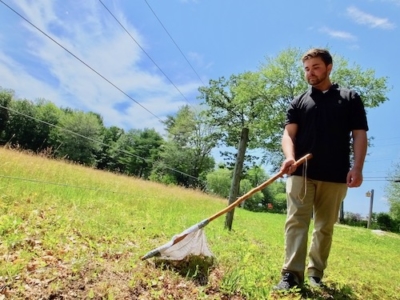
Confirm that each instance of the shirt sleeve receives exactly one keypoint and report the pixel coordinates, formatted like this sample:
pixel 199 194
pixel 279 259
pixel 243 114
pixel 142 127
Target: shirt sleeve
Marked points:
pixel 358 118
pixel 292 113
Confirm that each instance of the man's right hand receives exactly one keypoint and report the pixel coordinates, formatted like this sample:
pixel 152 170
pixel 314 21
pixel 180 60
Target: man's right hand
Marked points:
pixel 288 166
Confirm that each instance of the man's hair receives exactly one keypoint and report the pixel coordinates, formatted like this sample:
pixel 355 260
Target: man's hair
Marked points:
pixel 316 52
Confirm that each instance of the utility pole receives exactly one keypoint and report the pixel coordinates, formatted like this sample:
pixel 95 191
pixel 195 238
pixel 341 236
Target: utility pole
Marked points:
pixel 370 194
pixel 341 213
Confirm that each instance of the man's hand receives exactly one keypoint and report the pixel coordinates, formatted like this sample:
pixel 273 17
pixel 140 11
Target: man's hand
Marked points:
pixel 354 178
pixel 288 166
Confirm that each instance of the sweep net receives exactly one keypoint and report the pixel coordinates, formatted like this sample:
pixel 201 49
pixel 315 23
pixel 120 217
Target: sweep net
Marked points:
pixel 192 241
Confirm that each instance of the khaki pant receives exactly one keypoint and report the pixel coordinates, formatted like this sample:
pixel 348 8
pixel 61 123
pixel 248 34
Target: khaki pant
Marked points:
pixel 322 200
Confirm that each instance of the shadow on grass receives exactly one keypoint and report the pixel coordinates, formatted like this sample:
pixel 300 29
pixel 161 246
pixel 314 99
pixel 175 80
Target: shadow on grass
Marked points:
pixel 331 291
pixel 195 268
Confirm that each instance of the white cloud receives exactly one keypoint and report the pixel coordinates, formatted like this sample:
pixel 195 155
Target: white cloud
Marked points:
pixel 343 35
pixel 396 2
pixel 44 69
pixel 14 76
pixel 363 18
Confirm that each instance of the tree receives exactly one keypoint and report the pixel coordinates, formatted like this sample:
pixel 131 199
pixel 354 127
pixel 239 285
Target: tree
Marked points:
pixel 6 97
pixel 284 80
pixel 78 137
pixel 21 124
pixel 30 123
pixel 253 203
pixel 106 157
pixel 219 182
pixel 236 107
pixel 137 150
pixel 385 222
pixel 46 113
pixel 392 191
pixel 277 196
pixel 284 77
pixel 273 196
pixel 186 156
pixel 236 103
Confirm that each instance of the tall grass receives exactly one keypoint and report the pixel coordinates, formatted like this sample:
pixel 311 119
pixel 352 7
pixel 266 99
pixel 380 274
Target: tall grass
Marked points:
pixel 69 232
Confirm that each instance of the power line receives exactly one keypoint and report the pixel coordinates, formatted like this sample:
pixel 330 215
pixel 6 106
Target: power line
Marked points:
pixel 384 145
pixel 385 138
pixel 198 76
pixel 387 179
pixel 48 36
pixel 93 140
pixel 381 177
pixel 375 180
pixel 61 184
pixel 123 27
pixel 77 134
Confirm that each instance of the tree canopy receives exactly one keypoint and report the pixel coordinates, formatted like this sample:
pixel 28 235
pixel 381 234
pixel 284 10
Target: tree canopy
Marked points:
pixel 392 192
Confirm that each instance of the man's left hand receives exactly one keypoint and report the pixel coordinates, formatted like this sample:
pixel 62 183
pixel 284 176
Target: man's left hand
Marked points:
pixel 354 178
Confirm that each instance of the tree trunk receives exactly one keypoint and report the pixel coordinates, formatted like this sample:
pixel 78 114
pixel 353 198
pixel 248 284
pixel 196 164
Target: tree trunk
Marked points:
pixel 244 137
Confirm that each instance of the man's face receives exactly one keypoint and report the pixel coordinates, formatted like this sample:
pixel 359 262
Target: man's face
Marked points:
pixel 315 71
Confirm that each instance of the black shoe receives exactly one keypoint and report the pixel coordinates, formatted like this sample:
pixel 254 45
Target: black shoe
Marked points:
pixel 315 281
pixel 287 282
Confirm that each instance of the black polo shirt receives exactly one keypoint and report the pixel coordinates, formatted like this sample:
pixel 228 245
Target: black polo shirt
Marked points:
pixel 325 121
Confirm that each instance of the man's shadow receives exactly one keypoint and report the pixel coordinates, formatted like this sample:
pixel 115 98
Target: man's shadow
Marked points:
pixel 331 291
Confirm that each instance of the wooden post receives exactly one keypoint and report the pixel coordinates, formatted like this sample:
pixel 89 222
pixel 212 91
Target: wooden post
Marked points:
pixel 235 186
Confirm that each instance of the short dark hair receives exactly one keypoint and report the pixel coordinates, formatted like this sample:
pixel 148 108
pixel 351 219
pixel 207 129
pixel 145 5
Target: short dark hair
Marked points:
pixel 317 52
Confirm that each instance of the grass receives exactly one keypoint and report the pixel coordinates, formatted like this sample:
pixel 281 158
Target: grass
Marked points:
pixel 70 232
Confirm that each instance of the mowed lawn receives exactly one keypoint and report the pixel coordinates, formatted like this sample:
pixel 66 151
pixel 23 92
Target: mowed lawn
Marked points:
pixel 72 232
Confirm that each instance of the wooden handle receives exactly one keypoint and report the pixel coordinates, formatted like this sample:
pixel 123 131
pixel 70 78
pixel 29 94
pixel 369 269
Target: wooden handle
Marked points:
pixel 257 189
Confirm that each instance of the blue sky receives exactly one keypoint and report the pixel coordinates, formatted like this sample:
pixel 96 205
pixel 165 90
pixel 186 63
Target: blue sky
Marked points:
pixel 218 38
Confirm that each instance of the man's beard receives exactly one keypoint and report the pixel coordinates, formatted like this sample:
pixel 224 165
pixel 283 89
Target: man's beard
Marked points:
pixel 317 80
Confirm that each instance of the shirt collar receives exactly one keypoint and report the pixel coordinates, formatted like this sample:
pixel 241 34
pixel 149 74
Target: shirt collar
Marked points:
pixel 315 91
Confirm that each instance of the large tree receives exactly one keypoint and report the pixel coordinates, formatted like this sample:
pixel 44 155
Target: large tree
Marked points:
pixel 47 115
pixel 236 105
pixel 107 156
pixel 78 137
pixel 186 157
pixel 136 151
pixel 21 124
pixel 284 79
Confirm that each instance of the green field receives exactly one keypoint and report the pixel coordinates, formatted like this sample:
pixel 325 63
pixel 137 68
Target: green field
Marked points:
pixel 71 232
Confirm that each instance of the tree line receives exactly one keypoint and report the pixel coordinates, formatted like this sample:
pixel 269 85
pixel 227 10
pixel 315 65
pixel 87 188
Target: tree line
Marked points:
pixel 255 101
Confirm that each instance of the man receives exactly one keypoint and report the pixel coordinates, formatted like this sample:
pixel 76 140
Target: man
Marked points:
pixel 322 122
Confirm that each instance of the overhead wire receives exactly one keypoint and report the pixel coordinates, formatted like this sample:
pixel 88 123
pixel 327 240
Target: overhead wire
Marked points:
pixel 93 140
pixel 87 65
pixel 137 43
pixel 62 184
pixel 79 59
pixel 191 66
